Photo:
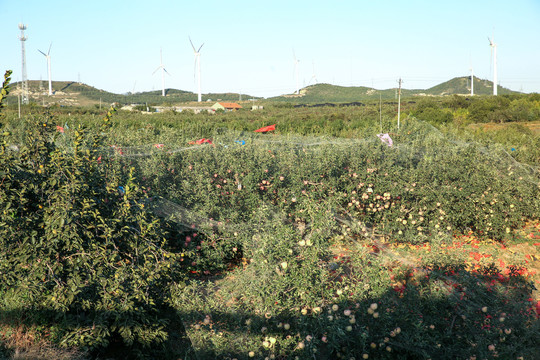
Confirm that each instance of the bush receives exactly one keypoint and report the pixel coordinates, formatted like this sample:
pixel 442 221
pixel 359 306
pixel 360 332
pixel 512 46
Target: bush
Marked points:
pixel 489 109
pixel 78 251
pixel 524 109
pixel 430 110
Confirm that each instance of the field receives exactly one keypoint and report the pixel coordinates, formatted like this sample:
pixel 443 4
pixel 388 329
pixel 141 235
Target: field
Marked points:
pixel 126 235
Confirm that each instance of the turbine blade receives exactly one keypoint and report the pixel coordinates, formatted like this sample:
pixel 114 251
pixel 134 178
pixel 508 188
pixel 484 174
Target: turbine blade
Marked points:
pixel 159 67
pixel 48 52
pixel 167 72
pixel 200 47
pixel 42 52
pixel 191 42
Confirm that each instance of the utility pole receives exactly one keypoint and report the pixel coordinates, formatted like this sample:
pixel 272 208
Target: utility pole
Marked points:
pixel 399 102
pixel 380 110
pixel 472 82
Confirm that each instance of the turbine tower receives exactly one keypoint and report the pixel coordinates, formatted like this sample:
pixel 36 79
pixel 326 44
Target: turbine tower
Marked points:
pixel 197 68
pixel 296 61
pixel 494 57
pixel 48 56
pixel 163 71
pixel 24 83
pixel 472 82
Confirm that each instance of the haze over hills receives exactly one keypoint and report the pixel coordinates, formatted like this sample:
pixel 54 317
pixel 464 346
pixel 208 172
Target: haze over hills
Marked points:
pixel 79 94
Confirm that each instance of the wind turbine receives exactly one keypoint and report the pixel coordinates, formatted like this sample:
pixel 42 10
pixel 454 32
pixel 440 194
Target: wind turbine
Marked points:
pixel 197 68
pixel 296 61
pixel 48 56
pixel 163 71
pixel 472 82
pixel 494 57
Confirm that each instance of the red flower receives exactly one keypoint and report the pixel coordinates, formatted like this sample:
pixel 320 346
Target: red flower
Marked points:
pixel 59 129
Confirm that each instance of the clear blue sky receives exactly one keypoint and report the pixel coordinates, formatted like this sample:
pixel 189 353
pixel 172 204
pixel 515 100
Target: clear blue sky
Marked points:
pixel 248 45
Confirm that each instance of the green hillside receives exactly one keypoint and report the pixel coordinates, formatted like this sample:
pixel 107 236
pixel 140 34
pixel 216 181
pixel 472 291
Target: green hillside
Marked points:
pixel 321 93
pixel 78 94
pixel 462 85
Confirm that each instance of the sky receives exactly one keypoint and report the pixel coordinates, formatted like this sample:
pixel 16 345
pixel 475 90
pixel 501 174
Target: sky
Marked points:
pixel 251 46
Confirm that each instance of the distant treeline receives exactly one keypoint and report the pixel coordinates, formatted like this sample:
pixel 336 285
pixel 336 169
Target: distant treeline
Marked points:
pixel 478 109
pixel 473 109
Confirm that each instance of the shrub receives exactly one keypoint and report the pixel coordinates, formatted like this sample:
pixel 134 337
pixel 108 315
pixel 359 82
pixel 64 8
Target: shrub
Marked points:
pixel 78 251
pixel 431 111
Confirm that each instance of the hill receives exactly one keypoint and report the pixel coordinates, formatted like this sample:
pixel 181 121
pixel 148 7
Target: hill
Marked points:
pixel 79 94
pixel 321 93
pixel 461 85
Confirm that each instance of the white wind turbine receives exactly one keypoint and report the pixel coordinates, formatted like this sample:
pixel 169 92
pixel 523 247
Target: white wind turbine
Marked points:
pixel 472 82
pixel 48 56
pixel 163 71
pixel 198 68
pixel 296 61
pixel 494 59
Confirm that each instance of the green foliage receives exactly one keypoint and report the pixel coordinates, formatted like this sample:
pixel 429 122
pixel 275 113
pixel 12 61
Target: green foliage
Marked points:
pixel 77 245
pixel 524 109
pixel 5 89
pixel 432 111
pixel 394 191
pixel 486 109
pixel 478 109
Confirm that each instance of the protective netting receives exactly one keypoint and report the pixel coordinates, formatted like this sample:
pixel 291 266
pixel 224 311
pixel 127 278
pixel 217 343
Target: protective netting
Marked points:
pixel 417 145
pixel 257 212
pixel 276 208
